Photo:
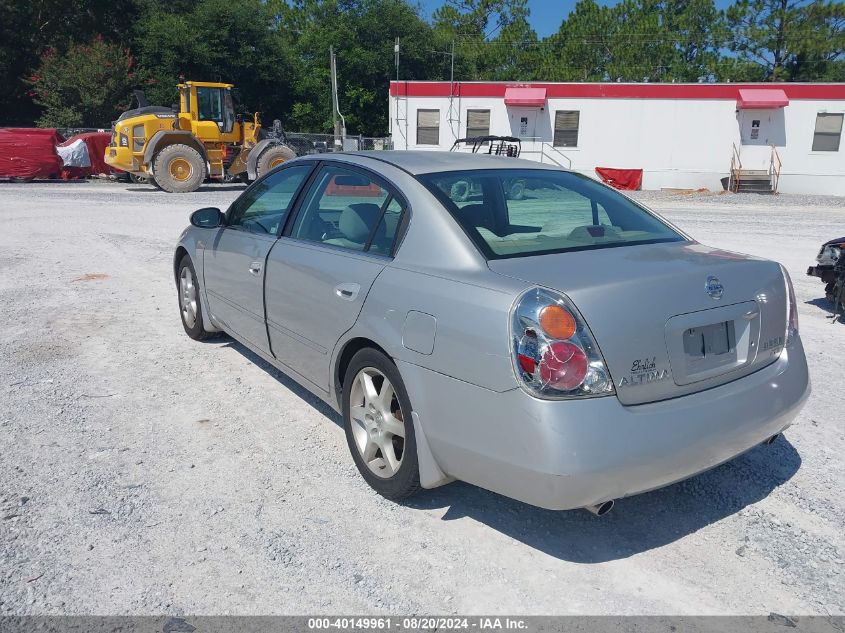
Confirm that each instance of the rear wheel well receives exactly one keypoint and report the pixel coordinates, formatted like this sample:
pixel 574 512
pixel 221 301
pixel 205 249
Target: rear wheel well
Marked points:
pixel 351 348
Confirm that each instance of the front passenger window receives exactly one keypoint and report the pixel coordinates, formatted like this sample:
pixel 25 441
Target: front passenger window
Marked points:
pixel 264 207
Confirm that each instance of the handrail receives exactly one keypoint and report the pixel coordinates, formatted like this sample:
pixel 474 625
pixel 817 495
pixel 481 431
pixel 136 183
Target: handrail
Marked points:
pixel 774 169
pixel 736 170
pixel 546 145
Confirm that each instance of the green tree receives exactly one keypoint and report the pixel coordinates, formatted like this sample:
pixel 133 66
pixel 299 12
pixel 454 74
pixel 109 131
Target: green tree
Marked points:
pixel 28 29
pixel 363 34
pixel 785 40
pixel 493 39
pixel 216 40
pixel 636 40
pixel 87 86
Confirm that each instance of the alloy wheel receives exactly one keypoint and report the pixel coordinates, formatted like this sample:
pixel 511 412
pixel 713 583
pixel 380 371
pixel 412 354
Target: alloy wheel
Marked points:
pixel 188 297
pixel 378 426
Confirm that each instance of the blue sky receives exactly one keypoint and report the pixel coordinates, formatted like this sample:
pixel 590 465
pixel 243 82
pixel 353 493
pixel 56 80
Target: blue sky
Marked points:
pixel 546 15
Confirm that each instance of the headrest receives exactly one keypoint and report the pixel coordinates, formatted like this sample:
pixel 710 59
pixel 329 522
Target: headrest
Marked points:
pixel 357 220
pixel 475 215
pixel 593 232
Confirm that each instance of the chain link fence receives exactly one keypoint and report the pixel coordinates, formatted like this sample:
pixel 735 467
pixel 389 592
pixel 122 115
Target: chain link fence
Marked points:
pixel 301 142
pixel 311 143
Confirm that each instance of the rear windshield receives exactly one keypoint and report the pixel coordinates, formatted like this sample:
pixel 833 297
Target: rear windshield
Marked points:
pixel 521 212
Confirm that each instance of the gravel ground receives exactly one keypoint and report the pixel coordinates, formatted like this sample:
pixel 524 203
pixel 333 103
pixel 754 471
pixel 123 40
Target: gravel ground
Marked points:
pixel 143 473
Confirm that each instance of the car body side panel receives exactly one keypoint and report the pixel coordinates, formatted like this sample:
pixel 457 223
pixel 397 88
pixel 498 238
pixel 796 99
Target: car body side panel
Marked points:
pixel 471 341
pixel 233 270
pixel 314 294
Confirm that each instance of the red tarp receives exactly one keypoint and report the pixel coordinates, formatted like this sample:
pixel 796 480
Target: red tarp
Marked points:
pixel 627 179
pixel 96 142
pixel 761 98
pixel 370 190
pixel 29 153
pixel 525 97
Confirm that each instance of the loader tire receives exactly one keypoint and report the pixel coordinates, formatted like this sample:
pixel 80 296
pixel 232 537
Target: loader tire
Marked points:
pixel 179 169
pixel 272 157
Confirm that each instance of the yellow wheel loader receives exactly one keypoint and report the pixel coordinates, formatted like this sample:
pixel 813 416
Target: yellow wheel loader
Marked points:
pixel 178 148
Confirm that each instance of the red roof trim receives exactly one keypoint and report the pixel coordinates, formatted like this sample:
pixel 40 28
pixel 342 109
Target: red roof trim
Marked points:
pixel 525 97
pixel 761 98
pixel 612 90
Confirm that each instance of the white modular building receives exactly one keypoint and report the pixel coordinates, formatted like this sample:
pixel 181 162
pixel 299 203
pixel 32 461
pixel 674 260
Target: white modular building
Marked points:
pixel 781 136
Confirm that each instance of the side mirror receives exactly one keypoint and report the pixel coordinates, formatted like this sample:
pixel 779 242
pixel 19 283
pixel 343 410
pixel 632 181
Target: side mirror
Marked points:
pixel 208 218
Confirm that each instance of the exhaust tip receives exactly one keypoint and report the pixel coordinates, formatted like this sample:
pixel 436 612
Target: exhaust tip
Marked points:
pixel 600 509
pixel 772 439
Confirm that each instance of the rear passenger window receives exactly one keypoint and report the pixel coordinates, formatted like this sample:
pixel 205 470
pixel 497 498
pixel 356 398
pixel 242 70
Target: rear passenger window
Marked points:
pixel 385 233
pixel 349 209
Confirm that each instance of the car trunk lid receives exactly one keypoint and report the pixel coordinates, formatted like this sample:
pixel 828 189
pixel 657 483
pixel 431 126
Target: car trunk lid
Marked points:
pixel 670 319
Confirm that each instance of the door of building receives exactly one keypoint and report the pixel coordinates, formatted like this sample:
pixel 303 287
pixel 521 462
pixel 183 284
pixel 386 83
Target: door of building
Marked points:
pixel 758 131
pixel 523 122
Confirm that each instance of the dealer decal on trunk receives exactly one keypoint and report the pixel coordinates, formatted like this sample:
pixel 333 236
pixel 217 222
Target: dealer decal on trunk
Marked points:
pixel 643 371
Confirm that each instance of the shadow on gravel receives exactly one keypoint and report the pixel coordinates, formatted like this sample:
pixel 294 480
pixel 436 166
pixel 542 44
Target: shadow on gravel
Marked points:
pixel 636 524
pixel 284 379
pixel 827 306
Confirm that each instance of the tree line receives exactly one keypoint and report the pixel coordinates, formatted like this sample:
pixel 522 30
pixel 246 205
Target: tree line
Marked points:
pixel 74 63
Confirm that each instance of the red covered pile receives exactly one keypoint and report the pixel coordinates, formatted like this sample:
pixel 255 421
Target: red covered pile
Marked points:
pixel 29 153
pixel 96 143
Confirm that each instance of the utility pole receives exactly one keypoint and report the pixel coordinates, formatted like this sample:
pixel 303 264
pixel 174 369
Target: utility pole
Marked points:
pixel 452 114
pixel 339 126
pixel 396 55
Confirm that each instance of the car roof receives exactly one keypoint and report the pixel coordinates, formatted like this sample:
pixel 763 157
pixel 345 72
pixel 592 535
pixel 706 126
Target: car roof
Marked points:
pixel 425 162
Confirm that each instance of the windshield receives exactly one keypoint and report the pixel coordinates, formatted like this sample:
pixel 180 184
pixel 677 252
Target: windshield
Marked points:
pixel 521 212
pixel 215 104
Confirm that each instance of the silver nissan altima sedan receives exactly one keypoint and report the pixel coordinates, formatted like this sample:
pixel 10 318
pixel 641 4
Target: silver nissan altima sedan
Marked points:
pixel 509 324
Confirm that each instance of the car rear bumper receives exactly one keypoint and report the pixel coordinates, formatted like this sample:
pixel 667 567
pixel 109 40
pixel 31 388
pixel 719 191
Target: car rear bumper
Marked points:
pixel 569 454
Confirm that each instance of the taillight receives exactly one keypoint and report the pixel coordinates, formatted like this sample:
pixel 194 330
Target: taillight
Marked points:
pixel 555 355
pixel 791 310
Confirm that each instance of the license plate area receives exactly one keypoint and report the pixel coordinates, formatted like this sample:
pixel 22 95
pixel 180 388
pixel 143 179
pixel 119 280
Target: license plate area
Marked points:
pixel 709 343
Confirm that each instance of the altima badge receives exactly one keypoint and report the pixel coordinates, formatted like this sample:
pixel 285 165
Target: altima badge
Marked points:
pixel 714 287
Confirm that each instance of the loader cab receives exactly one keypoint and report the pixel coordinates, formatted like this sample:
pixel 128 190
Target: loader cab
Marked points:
pixel 209 111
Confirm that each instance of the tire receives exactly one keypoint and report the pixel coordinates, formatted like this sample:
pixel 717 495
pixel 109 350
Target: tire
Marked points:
pixel 371 429
pixel 192 319
pixel 272 157
pixel 179 168
pixel 460 191
pixel 516 190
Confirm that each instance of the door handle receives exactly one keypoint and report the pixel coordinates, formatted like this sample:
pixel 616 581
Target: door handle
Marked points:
pixel 255 268
pixel 347 291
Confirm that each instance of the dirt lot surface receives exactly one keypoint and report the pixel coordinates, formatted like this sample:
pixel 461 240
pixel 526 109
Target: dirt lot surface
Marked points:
pixel 142 472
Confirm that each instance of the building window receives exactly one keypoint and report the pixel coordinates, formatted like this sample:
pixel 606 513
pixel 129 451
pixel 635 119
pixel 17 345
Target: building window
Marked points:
pixel 428 127
pixel 478 123
pixel 566 128
pixel 828 132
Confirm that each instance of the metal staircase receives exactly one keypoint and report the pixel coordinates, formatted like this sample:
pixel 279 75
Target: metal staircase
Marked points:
pixel 754 180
